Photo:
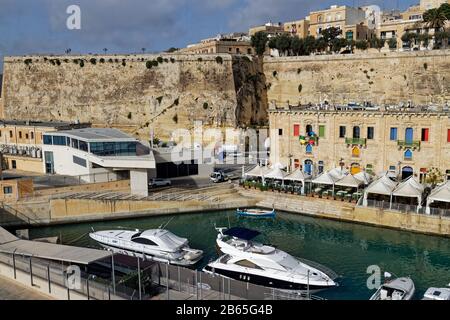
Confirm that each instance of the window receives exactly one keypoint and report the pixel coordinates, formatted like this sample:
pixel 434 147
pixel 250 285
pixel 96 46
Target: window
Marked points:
pixel 280 132
pixel 321 167
pixel 393 136
pixel 370 133
pixel 113 148
pixel 322 131
pixel 309 149
pixel 14 164
pixel 79 161
pixel 74 143
pixel 7 190
pixel 59 141
pixel 425 134
pixel 68 141
pixel 356 132
pixel 247 264
pixel 26 136
pixel 296 130
pixel 144 241
pixel 392 168
pixel 32 134
pixel 408 155
pixel 48 140
pixel 309 130
pixel 10 134
pixel 369 169
pixel 448 135
pixel 20 134
pixel 342 132
pixel 83 146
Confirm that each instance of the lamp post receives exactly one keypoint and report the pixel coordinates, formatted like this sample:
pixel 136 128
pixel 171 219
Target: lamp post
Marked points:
pixel 399 170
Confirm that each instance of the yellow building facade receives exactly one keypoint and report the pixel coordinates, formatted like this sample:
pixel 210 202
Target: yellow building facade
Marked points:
pixel 403 142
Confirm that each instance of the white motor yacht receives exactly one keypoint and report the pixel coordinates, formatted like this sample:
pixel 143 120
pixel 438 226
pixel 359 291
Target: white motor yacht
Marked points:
pixel 396 289
pixel 252 262
pixel 156 244
pixel 442 294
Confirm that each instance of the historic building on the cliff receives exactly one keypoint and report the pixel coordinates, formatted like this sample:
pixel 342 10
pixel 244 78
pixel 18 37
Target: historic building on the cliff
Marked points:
pixel 404 142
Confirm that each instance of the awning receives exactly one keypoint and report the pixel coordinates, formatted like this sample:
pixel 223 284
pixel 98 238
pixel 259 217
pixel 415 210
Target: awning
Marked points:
pixel 255 172
pixel 441 193
pixel 298 175
pixel 383 186
pixel 410 188
pixel 364 177
pixel 349 181
pixel 276 173
pixel 326 179
pixel 50 251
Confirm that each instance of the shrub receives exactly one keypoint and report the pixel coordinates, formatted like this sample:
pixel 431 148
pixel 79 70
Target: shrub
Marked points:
pixel 81 63
pixel 172 60
pixel 155 63
pixel 102 60
pixel 124 63
pixel 110 60
pixel 166 60
pixel 205 105
pixel 28 61
pixel 76 61
pixel 160 60
pixel 219 60
pixel 93 60
pixel 149 64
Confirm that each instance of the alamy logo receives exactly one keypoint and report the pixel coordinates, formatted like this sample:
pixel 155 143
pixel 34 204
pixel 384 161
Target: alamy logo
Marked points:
pixel 374 280
pixel 72 278
pixel 73 22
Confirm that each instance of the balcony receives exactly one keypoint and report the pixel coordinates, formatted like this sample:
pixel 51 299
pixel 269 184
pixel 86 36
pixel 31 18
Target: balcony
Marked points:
pixel 408 144
pixel 356 141
pixel 309 140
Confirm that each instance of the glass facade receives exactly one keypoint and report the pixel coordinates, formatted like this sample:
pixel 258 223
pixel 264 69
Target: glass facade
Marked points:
pixel 113 148
pixel 97 148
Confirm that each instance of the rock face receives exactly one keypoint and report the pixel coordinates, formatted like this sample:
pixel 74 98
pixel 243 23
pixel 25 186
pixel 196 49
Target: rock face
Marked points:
pixel 391 78
pixel 136 93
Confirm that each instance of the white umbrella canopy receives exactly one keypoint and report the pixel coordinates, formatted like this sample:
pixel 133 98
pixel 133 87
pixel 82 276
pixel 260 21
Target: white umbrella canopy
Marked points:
pixel 276 173
pixel 440 193
pixel 326 179
pixel 255 172
pixel 364 177
pixel 298 175
pixel 338 173
pixel 279 166
pixel 383 186
pixel 349 181
pixel 410 188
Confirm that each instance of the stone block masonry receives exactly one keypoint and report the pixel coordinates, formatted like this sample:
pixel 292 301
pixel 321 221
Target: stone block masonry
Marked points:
pixel 136 92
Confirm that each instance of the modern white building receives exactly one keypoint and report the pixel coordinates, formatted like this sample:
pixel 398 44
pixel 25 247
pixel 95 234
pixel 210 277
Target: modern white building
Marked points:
pixel 102 154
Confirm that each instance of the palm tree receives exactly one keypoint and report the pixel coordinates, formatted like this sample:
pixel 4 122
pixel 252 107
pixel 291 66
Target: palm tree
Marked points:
pixel 68 50
pixel 435 18
pixel 143 50
pixel 105 50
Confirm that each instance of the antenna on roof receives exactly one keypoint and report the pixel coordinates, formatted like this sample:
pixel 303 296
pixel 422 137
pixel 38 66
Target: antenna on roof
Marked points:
pixel 165 225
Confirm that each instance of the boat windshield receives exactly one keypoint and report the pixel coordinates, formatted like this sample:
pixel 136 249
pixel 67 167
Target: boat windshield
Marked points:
pixel 136 235
pixel 289 262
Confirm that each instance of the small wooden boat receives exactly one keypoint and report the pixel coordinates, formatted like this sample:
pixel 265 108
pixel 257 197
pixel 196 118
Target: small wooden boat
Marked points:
pixel 256 213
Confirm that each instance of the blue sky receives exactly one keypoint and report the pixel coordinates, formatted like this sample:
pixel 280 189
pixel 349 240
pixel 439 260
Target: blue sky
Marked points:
pixel 126 26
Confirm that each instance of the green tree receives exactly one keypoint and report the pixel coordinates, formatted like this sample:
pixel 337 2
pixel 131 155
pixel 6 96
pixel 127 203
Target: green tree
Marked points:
pixel 392 43
pixel 434 177
pixel 424 38
pixel 321 45
pixel 409 38
pixel 377 43
pixel 440 38
pixel 272 44
pixel 445 8
pixel 330 35
pixel 338 44
pixel 297 46
pixel 435 18
pixel 309 45
pixel 362 45
pixel 259 42
pixel 284 44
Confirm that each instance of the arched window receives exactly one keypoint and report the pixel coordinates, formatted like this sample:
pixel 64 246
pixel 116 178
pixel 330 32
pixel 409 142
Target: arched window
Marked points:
pixel 408 155
pixel 356 132
pixel 356 152
pixel 309 148
pixel 309 130
pixel 321 167
pixel 308 168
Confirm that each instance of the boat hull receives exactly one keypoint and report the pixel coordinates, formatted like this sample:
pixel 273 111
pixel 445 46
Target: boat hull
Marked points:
pixel 265 281
pixel 244 213
pixel 150 257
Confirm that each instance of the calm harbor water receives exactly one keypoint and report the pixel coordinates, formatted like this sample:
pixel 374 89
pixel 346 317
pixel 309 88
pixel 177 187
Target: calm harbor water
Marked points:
pixel 346 248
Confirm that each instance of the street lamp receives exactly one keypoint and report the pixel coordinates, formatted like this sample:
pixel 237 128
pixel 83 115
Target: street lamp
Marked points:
pixel 342 164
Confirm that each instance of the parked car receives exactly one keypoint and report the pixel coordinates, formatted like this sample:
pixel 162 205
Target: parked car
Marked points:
pixel 159 183
pixel 219 176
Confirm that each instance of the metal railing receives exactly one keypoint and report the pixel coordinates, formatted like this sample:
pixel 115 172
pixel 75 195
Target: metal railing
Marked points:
pixel 405 208
pixel 12 216
pixel 408 144
pixel 356 141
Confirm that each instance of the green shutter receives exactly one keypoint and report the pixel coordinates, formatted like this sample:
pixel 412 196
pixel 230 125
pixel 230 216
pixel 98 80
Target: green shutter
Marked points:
pixel 321 131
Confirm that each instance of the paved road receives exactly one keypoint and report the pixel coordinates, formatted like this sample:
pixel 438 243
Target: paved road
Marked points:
pixel 10 290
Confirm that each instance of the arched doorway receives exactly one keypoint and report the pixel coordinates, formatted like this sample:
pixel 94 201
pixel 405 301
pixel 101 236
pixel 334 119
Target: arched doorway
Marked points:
pixel 355 169
pixel 308 168
pixel 407 172
pixel 309 130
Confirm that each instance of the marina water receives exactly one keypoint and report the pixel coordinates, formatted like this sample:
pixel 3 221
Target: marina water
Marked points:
pixel 348 249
